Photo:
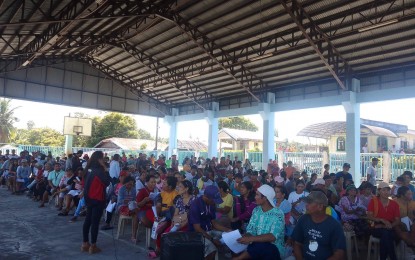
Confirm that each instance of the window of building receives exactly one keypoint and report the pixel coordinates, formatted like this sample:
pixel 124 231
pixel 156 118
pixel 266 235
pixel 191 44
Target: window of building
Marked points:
pixel 341 144
pixel 382 143
pixel 404 144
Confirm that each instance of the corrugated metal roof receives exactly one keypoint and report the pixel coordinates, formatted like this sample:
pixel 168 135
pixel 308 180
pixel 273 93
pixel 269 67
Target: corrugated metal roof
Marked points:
pixel 213 38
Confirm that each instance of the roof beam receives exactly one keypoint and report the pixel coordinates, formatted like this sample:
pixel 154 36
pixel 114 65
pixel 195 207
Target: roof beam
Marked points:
pixel 10 65
pixel 298 14
pixel 56 32
pixel 150 63
pixel 209 47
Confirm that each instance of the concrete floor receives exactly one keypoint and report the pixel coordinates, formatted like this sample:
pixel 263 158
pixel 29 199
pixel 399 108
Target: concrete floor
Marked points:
pixel 28 232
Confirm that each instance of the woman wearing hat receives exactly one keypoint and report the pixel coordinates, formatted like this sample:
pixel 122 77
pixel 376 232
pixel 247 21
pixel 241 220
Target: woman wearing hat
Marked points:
pixel 265 232
pixel 352 210
pixel 385 215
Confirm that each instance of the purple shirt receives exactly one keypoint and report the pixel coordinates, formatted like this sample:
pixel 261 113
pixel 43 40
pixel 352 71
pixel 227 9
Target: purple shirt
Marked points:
pixel 201 213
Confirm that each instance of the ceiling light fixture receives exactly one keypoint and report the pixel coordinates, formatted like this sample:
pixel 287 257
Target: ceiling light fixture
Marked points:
pixel 261 57
pixel 192 76
pixel 377 25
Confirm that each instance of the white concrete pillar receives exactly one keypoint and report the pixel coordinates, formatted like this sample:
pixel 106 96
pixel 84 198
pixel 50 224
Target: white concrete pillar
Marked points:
pixel 68 144
pixel 173 132
pixel 386 167
pixel 213 121
pixel 326 160
pixel 268 117
pixel 352 109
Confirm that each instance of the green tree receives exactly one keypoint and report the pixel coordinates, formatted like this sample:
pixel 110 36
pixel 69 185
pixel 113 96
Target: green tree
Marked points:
pixel 39 136
pixel 7 120
pixel 112 125
pixel 238 122
pixel 143 146
pixel 143 134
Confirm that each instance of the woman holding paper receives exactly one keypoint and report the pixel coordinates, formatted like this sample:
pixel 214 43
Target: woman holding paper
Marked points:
pixel 144 199
pixel 406 209
pixel 265 232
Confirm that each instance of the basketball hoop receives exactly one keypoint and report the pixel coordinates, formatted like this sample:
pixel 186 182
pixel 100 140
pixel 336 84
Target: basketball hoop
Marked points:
pixel 77 126
pixel 77 129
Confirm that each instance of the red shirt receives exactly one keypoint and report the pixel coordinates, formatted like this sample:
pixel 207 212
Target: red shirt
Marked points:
pixel 144 193
pixel 389 213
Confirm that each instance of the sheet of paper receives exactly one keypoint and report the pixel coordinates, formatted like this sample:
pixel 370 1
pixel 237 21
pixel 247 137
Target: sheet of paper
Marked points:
pixel 153 195
pixel 407 221
pixel 154 211
pixel 230 240
pixel 111 206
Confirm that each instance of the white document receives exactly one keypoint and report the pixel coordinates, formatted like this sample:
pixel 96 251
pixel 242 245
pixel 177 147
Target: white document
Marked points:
pixel 230 240
pixel 407 221
pixel 154 211
pixel 153 195
pixel 111 206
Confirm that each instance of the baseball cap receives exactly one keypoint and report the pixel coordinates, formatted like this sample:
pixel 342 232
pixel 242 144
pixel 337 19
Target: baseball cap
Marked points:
pixel 123 173
pixel 279 179
pixel 382 185
pixel 346 165
pixel 317 197
pixel 268 192
pixel 318 181
pixel 212 193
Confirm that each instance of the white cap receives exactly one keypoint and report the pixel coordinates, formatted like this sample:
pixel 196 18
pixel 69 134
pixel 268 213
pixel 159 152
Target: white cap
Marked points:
pixel 319 181
pixel 268 192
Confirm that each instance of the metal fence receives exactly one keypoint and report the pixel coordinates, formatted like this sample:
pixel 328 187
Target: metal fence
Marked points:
pixel 401 163
pixel 338 159
pixel 310 162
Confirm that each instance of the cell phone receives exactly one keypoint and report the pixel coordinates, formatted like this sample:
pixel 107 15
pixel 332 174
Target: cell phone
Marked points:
pixel 77 178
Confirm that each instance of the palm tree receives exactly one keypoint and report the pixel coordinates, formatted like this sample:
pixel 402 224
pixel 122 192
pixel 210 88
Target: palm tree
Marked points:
pixel 7 120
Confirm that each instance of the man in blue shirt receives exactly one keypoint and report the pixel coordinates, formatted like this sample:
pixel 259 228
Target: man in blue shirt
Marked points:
pixel 345 174
pixel 317 235
pixel 202 216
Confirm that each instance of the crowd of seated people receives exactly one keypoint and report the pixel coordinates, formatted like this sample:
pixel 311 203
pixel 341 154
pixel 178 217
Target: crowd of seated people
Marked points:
pixel 280 212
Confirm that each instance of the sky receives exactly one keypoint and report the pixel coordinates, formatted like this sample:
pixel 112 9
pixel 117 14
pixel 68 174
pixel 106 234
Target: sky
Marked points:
pixel 288 123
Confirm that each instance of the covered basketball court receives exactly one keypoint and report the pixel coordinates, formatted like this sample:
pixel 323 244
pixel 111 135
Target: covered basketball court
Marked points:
pixel 190 60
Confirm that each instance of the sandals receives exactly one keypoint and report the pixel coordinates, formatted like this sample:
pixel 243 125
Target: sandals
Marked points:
pixel 152 253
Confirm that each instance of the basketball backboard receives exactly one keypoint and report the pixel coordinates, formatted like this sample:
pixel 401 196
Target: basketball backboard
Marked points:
pixel 77 126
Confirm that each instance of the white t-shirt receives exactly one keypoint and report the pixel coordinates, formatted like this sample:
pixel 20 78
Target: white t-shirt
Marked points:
pixel 294 197
pixel 371 174
pixel 188 176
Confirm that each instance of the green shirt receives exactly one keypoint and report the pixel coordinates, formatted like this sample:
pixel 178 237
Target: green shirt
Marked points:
pixel 55 177
pixel 272 221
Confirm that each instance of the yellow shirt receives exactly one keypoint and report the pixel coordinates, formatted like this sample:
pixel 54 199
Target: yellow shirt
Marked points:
pixel 406 209
pixel 228 202
pixel 167 199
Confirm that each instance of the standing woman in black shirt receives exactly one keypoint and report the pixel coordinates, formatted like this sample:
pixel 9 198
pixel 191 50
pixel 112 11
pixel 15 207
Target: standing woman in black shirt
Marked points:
pixel 95 183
